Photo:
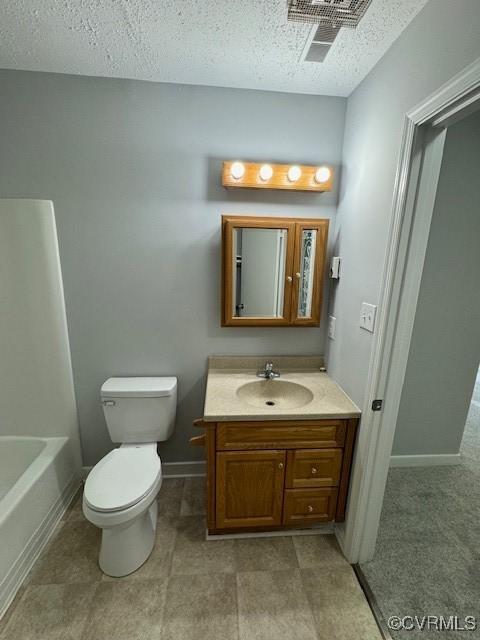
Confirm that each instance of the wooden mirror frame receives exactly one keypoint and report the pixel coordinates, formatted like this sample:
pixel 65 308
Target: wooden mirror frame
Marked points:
pixel 294 228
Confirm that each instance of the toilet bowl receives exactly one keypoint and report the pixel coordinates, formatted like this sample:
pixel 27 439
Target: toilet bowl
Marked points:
pixel 120 495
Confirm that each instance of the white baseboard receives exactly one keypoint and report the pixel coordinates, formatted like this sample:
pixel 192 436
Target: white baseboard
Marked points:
pixel 24 563
pixel 189 469
pixel 425 460
pixel 319 530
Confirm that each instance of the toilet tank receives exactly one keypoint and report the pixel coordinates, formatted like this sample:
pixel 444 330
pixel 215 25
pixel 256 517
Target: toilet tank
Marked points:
pixel 139 409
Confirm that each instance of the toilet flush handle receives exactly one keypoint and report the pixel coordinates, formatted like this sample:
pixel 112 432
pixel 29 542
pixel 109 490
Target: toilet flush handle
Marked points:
pixel 109 403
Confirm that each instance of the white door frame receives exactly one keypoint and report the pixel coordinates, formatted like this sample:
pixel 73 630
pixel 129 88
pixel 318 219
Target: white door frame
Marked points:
pixel 413 202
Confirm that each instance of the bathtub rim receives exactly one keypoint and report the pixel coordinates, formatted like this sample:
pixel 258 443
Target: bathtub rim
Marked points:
pixel 52 446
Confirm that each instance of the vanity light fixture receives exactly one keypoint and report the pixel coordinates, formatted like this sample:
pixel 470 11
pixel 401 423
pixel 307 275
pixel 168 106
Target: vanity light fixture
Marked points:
pixel 267 175
pixel 294 173
pixel 266 172
pixel 237 170
pixel 322 174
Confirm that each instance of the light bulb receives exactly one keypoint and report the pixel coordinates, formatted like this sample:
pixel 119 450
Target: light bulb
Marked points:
pixel 322 174
pixel 266 172
pixel 294 173
pixel 237 170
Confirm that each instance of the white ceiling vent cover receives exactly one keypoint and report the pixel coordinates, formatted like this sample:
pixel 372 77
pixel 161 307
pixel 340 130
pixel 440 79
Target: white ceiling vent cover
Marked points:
pixel 341 13
pixel 329 16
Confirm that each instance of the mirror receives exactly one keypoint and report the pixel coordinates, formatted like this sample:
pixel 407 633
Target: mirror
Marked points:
pixel 272 271
pixel 259 278
pixel 306 274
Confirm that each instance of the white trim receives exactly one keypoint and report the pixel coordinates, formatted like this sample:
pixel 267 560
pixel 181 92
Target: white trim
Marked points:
pixel 24 563
pixel 189 469
pixel 397 304
pixel 428 460
pixel 456 91
pixel 193 469
pixel 319 530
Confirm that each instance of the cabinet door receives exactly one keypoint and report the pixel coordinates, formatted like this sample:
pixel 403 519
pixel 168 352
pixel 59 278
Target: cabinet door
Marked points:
pixel 249 488
pixel 309 268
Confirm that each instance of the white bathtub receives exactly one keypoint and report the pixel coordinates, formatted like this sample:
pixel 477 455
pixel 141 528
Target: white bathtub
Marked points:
pixel 36 484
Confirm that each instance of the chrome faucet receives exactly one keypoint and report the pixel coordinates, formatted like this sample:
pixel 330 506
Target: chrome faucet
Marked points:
pixel 269 372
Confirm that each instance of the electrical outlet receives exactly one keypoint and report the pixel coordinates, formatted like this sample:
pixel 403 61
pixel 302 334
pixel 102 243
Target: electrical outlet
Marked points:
pixel 332 321
pixel 368 314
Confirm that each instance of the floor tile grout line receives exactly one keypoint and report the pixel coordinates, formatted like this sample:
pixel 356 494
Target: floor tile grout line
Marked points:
pixel 164 607
pixel 310 606
pixel 292 538
pixel 237 605
pixel 170 562
pixel 88 617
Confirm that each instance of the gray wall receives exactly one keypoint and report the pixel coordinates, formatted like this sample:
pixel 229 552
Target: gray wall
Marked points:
pixel 133 169
pixel 445 348
pixel 439 42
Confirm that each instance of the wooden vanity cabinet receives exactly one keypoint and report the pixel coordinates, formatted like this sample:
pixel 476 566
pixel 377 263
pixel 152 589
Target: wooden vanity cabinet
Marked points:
pixel 276 474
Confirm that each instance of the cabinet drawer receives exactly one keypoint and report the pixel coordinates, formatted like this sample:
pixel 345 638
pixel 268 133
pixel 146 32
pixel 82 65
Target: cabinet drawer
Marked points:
pixel 305 506
pixel 286 434
pixel 314 468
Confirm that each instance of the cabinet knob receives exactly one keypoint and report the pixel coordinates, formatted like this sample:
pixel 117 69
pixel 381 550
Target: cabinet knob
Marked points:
pixel 297 275
pixel 314 471
pixel 280 465
pixel 310 508
pixel 289 278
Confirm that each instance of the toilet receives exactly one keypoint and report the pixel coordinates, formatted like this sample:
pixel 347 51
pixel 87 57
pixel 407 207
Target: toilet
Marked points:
pixel 121 490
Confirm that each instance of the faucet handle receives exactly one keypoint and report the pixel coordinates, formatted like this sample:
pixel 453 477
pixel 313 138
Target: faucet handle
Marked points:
pixel 269 366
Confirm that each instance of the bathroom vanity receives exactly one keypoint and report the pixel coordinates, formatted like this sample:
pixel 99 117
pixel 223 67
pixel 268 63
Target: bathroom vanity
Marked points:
pixel 279 451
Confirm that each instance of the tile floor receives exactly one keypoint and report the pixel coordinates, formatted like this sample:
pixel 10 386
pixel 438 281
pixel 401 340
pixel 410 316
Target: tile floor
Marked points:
pixel 427 559
pixel 191 589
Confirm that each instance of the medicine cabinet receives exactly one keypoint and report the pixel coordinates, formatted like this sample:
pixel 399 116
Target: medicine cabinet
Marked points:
pixel 273 270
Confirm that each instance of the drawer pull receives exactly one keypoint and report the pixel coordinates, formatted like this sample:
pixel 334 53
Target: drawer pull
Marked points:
pixel 314 471
pixel 280 465
pixel 310 508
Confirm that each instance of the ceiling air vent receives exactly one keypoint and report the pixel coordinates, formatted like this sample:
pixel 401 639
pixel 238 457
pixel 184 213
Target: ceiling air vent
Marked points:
pixel 341 13
pixel 330 16
pixel 322 41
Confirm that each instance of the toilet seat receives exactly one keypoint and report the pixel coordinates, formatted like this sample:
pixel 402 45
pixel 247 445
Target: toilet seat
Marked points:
pixel 123 478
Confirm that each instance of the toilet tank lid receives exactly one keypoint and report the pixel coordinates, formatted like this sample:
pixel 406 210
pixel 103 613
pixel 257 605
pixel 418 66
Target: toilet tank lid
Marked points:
pixel 138 387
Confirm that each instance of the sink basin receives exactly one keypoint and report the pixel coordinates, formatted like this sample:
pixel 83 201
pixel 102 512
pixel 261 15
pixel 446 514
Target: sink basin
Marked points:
pixel 275 394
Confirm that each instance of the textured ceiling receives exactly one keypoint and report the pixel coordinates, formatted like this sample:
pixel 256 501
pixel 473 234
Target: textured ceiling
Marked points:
pixel 246 44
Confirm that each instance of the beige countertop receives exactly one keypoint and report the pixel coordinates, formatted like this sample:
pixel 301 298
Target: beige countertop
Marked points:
pixel 319 396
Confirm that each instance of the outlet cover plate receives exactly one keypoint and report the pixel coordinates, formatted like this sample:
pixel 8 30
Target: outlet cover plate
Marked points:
pixel 332 321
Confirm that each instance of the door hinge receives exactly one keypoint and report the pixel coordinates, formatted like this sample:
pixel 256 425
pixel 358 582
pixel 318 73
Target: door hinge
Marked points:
pixel 377 405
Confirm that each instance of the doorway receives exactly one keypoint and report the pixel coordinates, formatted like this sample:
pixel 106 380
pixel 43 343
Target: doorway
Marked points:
pixel 426 558
pixel 414 195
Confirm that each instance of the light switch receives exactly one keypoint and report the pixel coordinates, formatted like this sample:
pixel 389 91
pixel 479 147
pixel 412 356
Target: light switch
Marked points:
pixel 335 268
pixel 367 316
pixel 332 321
